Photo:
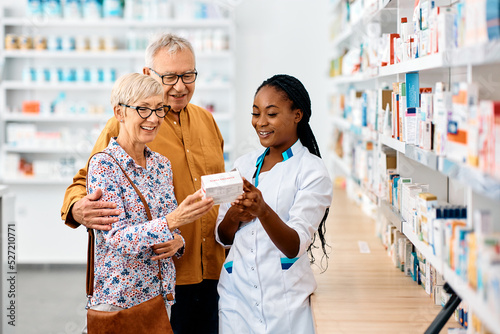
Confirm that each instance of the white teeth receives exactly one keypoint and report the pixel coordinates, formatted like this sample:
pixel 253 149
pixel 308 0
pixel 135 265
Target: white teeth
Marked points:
pixel 264 133
pixel 147 128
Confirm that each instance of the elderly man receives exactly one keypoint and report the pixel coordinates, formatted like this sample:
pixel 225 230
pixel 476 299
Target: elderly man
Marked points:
pixel 191 140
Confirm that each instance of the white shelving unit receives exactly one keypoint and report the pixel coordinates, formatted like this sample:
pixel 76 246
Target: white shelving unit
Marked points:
pixel 12 89
pixel 39 198
pixel 461 184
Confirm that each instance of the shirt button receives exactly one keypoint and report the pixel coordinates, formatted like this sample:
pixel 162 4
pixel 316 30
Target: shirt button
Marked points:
pixel 252 268
pixel 195 179
pixel 187 151
pixel 255 286
pixel 251 250
pixel 256 304
pixel 175 122
pixel 203 239
pixel 252 232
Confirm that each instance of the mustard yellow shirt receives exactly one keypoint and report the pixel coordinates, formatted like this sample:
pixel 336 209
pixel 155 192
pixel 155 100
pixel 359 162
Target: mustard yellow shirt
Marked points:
pixel 195 148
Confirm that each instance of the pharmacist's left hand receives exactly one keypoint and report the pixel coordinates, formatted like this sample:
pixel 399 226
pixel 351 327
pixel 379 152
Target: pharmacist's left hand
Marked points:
pixel 167 249
pixel 252 200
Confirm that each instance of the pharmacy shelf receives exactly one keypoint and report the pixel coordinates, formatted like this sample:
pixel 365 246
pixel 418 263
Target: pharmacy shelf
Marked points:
pixel 333 4
pixel 481 54
pixel 422 247
pixel 3 190
pixel 360 25
pixel 393 143
pixel 18 117
pixel 341 164
pixel 461 288
pixel 220 117
pixel 115 55
pixel 114 23
pixel 392 215
pixel 428 62
pixel 362 131
pixel 480 182
pixel 48 150
pixel 21 85
pixel 478 305
pixel 341 123
pixel 424 157
pixel 358 77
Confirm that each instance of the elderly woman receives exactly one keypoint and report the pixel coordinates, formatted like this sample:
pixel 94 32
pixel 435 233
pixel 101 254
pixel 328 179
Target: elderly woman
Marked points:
pixel 125 271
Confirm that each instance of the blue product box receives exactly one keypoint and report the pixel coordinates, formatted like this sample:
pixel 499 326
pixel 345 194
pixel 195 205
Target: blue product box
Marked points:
pixel 412 90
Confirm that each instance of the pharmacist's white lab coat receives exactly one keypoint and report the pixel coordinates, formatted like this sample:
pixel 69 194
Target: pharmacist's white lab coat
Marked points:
pixel 259 291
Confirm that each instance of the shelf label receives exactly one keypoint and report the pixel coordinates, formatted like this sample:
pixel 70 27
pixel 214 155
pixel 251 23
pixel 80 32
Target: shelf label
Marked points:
pixel 363 247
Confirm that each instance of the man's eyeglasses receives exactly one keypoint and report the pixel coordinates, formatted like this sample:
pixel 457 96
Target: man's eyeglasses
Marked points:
pixel 172 79
pixel 145 112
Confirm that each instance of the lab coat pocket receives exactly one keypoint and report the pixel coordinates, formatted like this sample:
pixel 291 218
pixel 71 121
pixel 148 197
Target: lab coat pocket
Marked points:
pixel 213 155
pixel 293 270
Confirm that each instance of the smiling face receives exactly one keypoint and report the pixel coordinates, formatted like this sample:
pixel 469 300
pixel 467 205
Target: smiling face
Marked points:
pixel 137 131
pixel 180 62
pixel 274 119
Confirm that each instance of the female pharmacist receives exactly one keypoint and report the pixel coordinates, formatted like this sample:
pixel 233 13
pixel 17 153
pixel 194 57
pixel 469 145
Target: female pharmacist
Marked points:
pixel 266 280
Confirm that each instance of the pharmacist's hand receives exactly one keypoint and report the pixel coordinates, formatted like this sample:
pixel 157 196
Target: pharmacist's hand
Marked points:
pixel 192 208
pixel 92 213
pixel 237 213
pixel 167 249
pixel 252 201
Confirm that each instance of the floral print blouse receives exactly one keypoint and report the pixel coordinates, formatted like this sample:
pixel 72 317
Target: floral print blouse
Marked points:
pixel 124 274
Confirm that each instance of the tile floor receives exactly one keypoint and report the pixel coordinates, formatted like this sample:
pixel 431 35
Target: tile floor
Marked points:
pixel 51 299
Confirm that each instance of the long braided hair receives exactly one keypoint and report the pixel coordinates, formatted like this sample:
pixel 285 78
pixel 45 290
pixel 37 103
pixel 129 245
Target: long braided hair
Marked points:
pixel 297 93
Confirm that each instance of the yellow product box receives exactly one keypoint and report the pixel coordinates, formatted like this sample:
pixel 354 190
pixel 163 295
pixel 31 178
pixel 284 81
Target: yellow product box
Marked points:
pixel 222 187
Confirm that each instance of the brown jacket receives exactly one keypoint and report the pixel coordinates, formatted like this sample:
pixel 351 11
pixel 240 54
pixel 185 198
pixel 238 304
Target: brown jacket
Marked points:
pixel 195 148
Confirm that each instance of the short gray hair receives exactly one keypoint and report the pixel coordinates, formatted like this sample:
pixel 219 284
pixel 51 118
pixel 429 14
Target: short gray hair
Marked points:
pixel 168 41
pixel 133 87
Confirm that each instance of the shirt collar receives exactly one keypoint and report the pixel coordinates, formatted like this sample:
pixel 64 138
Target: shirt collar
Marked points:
pixel 123 157
pixel 286 155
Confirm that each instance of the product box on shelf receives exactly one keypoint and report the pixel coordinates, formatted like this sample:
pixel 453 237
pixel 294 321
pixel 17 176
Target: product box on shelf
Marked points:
pixel 451 227
pixel 442 108
pixel 445 30
pixel 475 22
pixel 426 201
pixel 465 101
pixel 383 103
pixel 493 19
pixel 399 191
pixel 486 135
pixel 408 249
pixel 395 111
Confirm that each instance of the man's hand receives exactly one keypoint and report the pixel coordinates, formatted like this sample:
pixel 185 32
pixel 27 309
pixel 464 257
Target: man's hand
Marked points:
pixel 92 213
pixel 167 249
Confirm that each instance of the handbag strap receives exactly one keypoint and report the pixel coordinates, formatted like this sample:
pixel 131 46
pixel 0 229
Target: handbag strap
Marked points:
pixel 91 243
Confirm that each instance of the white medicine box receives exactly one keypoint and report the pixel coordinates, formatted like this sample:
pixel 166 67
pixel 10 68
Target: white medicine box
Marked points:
pixel 222 187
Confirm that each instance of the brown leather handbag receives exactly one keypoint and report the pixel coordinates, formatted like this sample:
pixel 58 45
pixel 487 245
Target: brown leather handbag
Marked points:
pixel 148 317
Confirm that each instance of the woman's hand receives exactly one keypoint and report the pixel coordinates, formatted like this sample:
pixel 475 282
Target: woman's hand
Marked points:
pixel 192 208
pixel 167 249
pixel 252 202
